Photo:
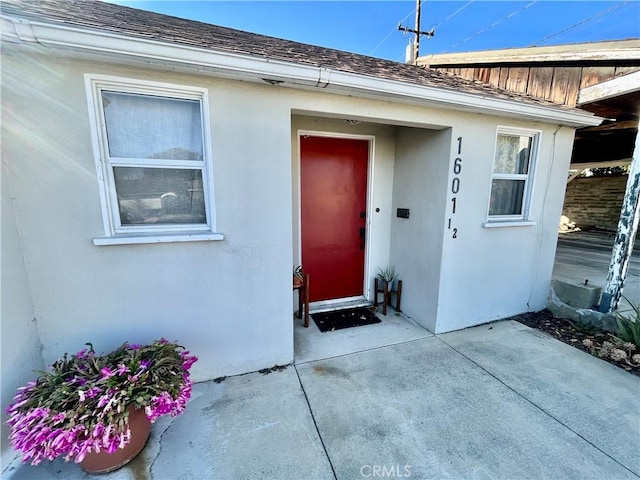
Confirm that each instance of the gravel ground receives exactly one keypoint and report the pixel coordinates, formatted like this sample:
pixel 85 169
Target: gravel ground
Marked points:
pixel 571 334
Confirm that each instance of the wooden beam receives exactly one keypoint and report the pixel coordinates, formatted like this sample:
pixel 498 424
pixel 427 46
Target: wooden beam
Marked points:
pixel 623 125
pixel 578 168
pixel 596 51
pixel 620 71
pixel 606 164
pixel 574 175
pixel 609 89
pixel 625 236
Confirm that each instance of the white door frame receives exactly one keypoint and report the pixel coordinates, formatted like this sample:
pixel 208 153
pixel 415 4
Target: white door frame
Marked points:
pixel 366 289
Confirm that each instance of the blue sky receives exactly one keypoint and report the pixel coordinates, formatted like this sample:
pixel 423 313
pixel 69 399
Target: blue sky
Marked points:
pixel 370 27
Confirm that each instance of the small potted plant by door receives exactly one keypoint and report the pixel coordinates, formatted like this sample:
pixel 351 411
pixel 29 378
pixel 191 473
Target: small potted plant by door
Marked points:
pixel 297 276
pixel 98 410
pixel 388 275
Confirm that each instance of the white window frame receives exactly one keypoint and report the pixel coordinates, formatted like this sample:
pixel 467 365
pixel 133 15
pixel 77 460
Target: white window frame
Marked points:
pixel 115 232
pixel 524 218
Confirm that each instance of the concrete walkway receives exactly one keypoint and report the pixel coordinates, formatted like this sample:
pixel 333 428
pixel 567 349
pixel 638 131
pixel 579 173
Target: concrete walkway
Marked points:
pixel 498 401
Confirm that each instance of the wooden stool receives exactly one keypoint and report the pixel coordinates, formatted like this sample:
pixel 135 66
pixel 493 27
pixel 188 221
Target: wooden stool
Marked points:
pixel 386 295
pixel 303 298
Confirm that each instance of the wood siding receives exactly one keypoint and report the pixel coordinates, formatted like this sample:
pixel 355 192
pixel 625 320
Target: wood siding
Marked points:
pixel 558 84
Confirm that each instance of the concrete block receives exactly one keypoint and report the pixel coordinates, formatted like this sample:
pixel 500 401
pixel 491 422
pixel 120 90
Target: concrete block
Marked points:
pixel 580 296
pixel 583 316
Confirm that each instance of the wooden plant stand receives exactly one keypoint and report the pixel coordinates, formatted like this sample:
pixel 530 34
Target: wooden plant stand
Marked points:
pixel 386 295
pixel 303 298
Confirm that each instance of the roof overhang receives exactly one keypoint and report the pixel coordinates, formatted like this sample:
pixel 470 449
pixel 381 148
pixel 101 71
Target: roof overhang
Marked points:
pixel 611 88
pixel 614 51
pixel 106 45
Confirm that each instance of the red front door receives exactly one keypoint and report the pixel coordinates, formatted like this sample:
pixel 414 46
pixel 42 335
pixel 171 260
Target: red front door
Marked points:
pixel 333 177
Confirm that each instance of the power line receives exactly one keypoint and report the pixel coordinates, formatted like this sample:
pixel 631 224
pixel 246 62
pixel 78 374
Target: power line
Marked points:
pixel 394 29
pixel 493 24
pixel 604 12
pixel 605 29
pixel 453 14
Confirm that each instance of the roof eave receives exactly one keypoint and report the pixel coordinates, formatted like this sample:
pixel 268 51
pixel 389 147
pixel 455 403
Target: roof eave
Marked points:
pixel 245 67
pixel 622 50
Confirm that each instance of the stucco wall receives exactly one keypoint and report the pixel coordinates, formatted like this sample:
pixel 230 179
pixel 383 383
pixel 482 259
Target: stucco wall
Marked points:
pixel 21 354
pixel 595 201
pixel 422 165
pixel 493 273
pixel 230 301
pixel 227 301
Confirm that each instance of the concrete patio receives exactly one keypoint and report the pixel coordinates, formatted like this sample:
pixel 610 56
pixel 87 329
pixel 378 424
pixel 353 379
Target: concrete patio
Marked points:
pixel 497 401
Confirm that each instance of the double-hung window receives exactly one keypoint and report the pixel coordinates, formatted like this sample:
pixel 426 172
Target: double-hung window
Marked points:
pixel 513 166
pixel 153 159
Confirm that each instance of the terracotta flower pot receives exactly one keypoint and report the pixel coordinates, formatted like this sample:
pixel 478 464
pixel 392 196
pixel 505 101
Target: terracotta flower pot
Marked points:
pixel 104 462
pixel 297 281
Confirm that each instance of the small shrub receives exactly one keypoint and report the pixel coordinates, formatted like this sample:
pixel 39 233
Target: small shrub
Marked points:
pixel 585 328
pixel 629 326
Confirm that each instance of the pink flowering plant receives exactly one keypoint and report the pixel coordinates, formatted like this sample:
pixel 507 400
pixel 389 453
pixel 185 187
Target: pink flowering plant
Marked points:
pixel 81 404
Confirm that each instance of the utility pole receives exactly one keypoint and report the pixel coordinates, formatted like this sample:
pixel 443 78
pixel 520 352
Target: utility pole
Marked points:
pixel 417 32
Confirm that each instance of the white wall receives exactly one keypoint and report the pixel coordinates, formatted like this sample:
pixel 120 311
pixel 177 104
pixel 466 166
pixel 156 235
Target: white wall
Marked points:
pixel 230 301
pixel 485 273
pixel 422 163
pixel 493 273
pixel 227 301
pixel 21 354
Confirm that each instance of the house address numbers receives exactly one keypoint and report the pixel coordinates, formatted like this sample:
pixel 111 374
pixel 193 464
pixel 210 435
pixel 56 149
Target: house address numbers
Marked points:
pixel 455 188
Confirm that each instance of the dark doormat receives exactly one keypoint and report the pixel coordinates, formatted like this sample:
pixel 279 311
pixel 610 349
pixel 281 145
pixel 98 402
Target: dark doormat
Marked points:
pixel 352 317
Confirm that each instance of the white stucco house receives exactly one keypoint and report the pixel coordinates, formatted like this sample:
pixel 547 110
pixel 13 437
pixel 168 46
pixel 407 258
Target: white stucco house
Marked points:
pixel 161 177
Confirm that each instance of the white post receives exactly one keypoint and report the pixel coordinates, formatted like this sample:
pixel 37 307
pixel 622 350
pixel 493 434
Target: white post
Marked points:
pixel 625 236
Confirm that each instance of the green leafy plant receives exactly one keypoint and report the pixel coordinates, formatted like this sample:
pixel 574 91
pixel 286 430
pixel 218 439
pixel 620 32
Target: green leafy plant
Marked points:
pixel 297 272
pixel 81 404
pixel 629 325
pixel 388 274
pixel 585 328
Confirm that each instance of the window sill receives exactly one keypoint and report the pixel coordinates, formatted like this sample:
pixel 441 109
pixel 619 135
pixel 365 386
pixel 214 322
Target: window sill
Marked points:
pixel 507 223
pixel 173 238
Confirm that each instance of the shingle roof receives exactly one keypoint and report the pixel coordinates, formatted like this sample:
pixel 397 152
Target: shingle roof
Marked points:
pixel 131 22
